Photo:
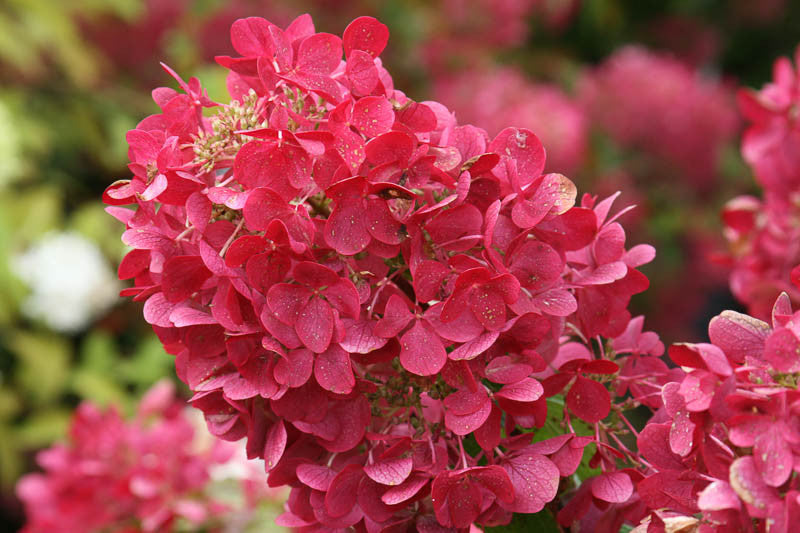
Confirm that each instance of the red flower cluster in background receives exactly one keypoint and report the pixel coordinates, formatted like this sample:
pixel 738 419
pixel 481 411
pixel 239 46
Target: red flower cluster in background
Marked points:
pixel 763 234
pixel 379 299
pixel 658 104
pixel 150 474
pixel 494 98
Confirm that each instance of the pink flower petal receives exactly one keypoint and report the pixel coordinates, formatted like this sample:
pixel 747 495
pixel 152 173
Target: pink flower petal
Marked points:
pixel 392 471
pixel 525 390
pixel 421 350
pixel 589 400
pixel 373 115
pixel 366 34
pixel 535 481
pixel 746 481
pixel 718 496
pixel 343 492
pixel 333 371
pixel 613 487
pixel 314 325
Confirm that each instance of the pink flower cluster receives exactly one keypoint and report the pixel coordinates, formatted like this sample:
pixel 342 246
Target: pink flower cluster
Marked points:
pixel 149 474
pixel 494 98
pixel 659 105
pixel 727 441
pixel 763 235
pixel 373 295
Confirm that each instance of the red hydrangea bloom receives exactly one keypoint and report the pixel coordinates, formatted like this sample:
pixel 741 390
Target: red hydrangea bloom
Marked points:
pixel 727 440
pixel 658 104
pixel 763 234
pixel 153 473
pixel 357 284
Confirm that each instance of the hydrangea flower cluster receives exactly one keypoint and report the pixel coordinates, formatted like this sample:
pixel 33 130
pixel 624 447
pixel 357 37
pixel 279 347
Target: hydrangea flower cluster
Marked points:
pixel 659 105
pixel 763 234
pixel 725 444
pixel 378 298
pixel 152 473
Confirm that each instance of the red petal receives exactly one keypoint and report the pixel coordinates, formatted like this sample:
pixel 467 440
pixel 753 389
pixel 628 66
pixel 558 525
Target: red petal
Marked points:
pixel 589 400
pixel 504 369
pixel 360 337
pixel 396 316
pixel 609 245
pixel 523 147
pixel 341 495
pixel 773 456
pixel 276 444
pixel 367 34
pixel 343 296
pixel 361 72
pixel 488 435
pixel 420 118
pixel 456 501
pixel 525 390
pixel 390 471
pixel 318 477
pixel 472 349
pixel 535 481
pixel 314 325
pixel 556 302
pixel 428 280
pixel 134 263
pixel 536 264
pixel 782 351
pixel 157 310
pixel 346 229
pixel 295 370
pixel 262 207
pixel 653 443
pixel 380 222
pixel 718 496
pixel 243 249
pixel 333 371
pixel 315 275
pixel 390 147
pixel 613 487
pixel 406 490
pixel 701 355
pixel 286 301
pixel 421 351
pixel 463 424
pixel 488 307
pixel 738 335
pixel 373 115
pixel 319 54
pixel 746 480
pixel 496 480
pixel 250 36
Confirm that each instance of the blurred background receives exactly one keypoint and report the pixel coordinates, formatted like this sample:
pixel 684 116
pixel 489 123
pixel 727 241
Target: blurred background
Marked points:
pixel 625 95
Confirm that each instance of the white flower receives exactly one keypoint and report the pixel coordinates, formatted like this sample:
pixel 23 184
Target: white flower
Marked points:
pixel 70 281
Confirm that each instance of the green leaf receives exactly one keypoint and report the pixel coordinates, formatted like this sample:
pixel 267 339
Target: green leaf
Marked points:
pixel 10 403
pixel 42 428
pixel 149 363
pixel 11 461
pixel 98 352
pixel 44 364
pixel 100 389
